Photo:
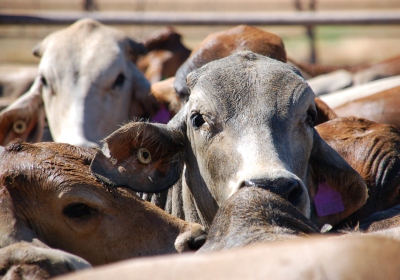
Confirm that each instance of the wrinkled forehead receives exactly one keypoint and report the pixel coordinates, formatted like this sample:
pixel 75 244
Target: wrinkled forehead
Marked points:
pixel 248 80
pixel 48 158
pixel 87 48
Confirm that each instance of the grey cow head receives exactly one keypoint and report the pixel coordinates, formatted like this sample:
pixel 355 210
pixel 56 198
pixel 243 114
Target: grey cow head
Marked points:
pixel 89 84
pixel 249 122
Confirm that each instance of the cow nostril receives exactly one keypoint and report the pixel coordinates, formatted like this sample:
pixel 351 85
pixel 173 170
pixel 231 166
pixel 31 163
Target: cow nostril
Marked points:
pixel 295 194
pixel 195 243
pixel 288 188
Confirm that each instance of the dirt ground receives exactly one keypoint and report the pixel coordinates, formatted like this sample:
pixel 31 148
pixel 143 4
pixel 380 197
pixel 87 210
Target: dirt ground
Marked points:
pixel 335 44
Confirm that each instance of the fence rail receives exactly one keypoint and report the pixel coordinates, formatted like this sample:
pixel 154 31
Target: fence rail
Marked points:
pixel 168 18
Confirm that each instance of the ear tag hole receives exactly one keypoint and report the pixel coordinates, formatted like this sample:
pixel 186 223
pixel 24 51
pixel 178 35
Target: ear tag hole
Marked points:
pixel 327 201
pixel 19 126
pixel 144 155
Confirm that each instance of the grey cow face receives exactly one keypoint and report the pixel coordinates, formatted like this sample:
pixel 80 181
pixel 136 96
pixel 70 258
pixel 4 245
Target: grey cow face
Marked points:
pixel 250 122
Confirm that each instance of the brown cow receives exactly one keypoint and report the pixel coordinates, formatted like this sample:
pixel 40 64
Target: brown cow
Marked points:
pixel 381 107
pixel 373 150
pixel 362 73
pixel 166 53
pixel 352 257
pixel 49 193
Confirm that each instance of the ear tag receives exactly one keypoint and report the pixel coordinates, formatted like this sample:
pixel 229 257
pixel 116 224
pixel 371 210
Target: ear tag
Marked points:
pixel 162 115
pixel 327 201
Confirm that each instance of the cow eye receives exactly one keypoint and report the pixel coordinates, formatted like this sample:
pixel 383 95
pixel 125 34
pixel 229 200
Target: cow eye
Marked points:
pixel 78 210
pixel 197 120
pixel 119 82
pixel 311 116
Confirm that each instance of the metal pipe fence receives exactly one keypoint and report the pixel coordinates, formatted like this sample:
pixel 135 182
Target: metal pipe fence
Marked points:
pixel 306 18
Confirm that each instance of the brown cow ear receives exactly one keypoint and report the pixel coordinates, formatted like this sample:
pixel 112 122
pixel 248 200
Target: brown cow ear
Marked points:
pixel 324 112
pixel 25 117
pixel 145 157
pixel 339 189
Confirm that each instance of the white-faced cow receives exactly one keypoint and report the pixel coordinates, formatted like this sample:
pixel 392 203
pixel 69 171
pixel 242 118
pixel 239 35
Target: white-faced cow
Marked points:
pixel 48 192
pixel 249 122
pixel 88 85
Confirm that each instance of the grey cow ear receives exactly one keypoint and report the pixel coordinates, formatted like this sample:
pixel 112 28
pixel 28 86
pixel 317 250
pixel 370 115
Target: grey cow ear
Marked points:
pixel 144 157
pixel 336 174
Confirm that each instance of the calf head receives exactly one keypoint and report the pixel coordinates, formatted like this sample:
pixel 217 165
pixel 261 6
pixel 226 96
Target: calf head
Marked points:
pixel 49 193
pixel 89 83
pixel 373 150
pixel 249 122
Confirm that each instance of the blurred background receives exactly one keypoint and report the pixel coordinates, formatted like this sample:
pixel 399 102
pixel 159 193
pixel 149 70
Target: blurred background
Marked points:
pixel 347 44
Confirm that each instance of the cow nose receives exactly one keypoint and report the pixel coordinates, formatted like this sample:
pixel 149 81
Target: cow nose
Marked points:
pixel 288 188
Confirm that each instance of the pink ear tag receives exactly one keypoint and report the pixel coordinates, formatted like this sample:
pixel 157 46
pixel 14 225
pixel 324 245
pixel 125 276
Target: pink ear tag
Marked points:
pixel 327 201
pixel 162 115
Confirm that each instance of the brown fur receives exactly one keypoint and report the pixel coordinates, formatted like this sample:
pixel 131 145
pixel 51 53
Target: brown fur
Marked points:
pixel 382 107
pixel 324 112
pixel 40 184
pixel 373 150
pixel 166 55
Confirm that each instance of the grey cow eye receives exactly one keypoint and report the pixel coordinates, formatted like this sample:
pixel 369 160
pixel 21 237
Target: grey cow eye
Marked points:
pixel 119 82
pixel 197 120
pixel 311 117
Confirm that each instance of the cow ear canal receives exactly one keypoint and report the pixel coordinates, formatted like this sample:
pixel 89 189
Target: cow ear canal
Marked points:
pixel 197 120
pixel 144 156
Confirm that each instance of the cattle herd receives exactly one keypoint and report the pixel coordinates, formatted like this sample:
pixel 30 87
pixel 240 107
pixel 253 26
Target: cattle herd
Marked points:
pixel 116 151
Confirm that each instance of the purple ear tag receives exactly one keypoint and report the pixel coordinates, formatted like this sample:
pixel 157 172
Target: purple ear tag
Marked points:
pixel 327 201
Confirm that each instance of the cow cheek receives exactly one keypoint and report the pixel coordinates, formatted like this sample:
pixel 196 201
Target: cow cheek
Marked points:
pixel 221 168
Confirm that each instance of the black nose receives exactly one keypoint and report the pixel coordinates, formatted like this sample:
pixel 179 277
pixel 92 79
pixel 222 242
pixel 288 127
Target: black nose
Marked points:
pixel 195 243
pixel 288 188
